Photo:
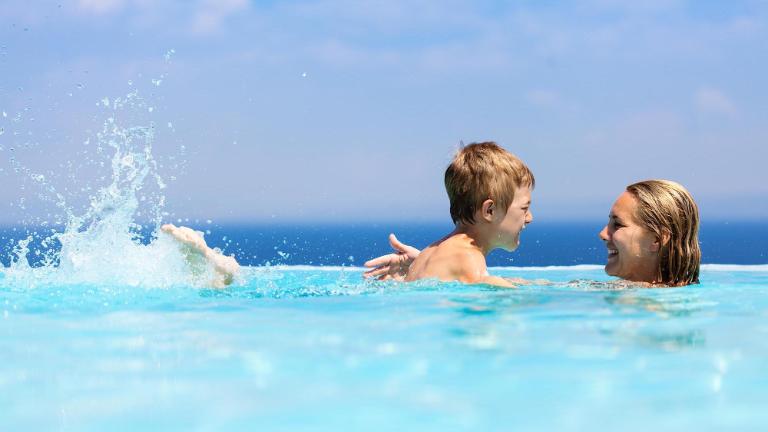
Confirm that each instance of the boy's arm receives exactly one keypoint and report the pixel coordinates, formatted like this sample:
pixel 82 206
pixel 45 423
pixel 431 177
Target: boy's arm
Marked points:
pixel 498 281
pixel 513 282
pixel 392 266
pixel 471 268
pixel 226 267
pixel 521 281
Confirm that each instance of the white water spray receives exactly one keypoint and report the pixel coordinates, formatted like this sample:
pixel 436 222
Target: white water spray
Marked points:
pixel 103 245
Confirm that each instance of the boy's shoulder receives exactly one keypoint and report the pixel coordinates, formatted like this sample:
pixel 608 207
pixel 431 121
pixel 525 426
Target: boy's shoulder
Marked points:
pixel 455 260
pixel 468 265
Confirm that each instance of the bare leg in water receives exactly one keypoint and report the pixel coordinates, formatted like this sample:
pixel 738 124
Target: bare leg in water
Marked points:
pixel 199 255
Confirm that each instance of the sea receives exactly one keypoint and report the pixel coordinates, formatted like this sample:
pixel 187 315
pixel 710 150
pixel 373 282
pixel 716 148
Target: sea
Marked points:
pixel 550 243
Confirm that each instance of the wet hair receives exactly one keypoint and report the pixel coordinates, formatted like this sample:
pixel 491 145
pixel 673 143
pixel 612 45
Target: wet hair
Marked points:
pixel 668 210
pixel 482 171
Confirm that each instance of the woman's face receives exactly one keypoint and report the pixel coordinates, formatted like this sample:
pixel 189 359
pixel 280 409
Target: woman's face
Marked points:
pixel 633 251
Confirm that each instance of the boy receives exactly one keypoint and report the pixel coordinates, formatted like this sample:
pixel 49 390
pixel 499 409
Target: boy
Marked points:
pixel 490 194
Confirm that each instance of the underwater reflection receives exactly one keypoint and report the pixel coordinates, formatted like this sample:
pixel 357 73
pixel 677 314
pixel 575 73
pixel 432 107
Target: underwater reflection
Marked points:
pixel 557 319
pixel 664 304
pixel 659 319
pixel 492 319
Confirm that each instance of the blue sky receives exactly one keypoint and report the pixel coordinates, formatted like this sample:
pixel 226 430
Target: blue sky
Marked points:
pixel 340 110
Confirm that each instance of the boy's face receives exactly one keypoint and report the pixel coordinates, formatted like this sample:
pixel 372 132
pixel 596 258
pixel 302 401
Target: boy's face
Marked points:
pixel 517 216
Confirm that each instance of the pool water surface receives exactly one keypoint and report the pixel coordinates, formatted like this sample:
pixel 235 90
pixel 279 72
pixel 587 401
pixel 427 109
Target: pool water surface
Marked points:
pixel 317 348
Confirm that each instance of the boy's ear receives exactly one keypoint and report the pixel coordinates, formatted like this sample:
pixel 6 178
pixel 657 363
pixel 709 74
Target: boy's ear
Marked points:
pixel 487 210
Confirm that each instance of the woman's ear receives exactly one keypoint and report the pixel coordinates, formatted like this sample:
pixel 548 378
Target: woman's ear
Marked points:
pixel 659 242
pixel 487 210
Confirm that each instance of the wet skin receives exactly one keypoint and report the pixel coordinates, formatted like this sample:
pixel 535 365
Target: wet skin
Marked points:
pixel 633 251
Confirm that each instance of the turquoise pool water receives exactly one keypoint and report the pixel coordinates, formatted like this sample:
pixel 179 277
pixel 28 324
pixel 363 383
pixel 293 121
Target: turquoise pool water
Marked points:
pixel 318 348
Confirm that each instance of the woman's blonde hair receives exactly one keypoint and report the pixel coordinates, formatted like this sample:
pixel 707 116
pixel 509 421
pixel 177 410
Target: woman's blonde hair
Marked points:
pixel 668 210
pixel 482 171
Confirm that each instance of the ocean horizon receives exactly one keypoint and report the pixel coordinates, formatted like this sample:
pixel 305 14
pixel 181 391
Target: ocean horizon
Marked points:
pixel 543 244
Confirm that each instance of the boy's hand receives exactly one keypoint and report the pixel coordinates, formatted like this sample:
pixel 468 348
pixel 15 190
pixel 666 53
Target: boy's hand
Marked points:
pixel 395 265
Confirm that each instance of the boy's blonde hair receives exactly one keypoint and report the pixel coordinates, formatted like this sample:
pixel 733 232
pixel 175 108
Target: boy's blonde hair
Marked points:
pixel 482 171
pixel 668 210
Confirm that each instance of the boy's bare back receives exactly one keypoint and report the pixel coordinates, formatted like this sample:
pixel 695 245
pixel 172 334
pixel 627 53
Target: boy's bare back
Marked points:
pixel 453 258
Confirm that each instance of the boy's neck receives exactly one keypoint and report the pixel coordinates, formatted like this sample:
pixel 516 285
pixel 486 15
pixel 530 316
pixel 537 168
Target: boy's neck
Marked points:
pixel 478 236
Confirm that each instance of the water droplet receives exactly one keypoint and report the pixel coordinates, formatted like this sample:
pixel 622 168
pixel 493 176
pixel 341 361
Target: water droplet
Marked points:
pixel 303 74
pixel 150 109
pixel 130 82
pixel 157 82
pixel 2 131
pixel 170 125
pixel 105 101
pixel 5 114
pixel 80 86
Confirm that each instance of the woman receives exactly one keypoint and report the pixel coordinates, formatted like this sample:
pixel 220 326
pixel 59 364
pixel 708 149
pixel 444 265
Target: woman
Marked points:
pixel 651 237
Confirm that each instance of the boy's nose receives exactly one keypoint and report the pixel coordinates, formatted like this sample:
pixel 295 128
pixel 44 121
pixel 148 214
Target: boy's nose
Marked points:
pixel 529 218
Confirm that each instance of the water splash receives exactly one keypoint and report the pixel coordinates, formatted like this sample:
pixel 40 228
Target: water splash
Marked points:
pixel 116 239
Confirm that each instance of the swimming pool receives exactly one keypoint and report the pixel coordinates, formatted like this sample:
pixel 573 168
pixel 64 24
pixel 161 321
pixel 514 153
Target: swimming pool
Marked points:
pixel 104 328
pixel 317 348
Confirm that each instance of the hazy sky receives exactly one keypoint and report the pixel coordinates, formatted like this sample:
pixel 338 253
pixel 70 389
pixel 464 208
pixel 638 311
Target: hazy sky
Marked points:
pixel 338 110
